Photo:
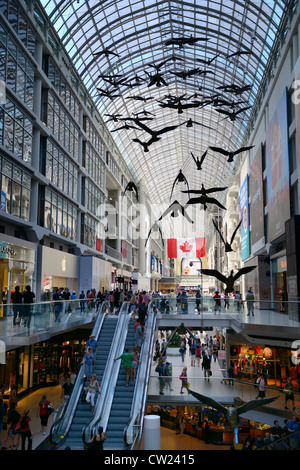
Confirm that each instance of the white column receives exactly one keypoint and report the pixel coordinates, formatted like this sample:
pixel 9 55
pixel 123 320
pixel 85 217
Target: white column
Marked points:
pixel 152 432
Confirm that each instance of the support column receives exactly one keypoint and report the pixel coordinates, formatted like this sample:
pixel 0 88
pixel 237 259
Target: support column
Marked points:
pixel 152 432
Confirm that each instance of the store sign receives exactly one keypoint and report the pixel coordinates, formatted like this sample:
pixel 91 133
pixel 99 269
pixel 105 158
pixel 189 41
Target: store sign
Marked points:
pixel 6 250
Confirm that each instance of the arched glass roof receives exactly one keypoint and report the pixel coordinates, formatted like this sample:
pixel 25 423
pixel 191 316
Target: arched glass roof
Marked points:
pixel 234 46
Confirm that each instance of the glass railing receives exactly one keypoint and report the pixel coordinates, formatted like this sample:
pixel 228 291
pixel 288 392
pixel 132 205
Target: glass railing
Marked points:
pixel 133 432
pixel 110 376
pixel 25 319
pixel 266 311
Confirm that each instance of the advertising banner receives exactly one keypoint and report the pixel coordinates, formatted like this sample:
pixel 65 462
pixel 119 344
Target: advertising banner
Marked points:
pixel 257 202
pixel 277 166
pixel 245 229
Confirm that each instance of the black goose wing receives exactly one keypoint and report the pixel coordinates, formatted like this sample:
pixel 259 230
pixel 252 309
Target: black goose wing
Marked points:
pixel 217 229
pixel 216 274
pixel 209 401
pixel 243 271
pixel 234 233
pixel 254 404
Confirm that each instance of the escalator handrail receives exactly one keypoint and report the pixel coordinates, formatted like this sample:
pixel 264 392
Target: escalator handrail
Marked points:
pixel 110 376
pixel 60 428
pixel 143 377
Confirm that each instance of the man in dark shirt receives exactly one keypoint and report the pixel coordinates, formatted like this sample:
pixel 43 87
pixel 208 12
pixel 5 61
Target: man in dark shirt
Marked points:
pixel 28 298
pixel 277 433
pixel 67 388
pixel 17 299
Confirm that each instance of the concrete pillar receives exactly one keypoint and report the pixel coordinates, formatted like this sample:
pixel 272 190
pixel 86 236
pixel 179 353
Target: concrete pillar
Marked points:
pixel 152 432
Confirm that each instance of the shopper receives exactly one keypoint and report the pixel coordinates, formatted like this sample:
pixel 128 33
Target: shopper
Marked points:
pixel 43 413
pixel 294 438
pixel 127 357
pixel 250 302
pixel 182 426
pixel 135 352
pixel 206 364
pixel 193 354
pixel 17 300
pixel 28 299
pixel 198 354
pixel 88 361
pixel 13 422
pixel 91 391
pixel 217 300
pixel 184 379
pixel 67 389
pixel 182 351
pixel 289 394
pixel 278 433
pixel 92 343
pixel 96 443
pixel 25 430
pixel 260 383
pixel 58 304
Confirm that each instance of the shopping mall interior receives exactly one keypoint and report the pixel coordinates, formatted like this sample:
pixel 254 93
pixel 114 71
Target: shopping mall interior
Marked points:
pixel 154 158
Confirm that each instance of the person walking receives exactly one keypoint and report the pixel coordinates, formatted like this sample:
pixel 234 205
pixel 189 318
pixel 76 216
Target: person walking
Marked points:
pixel 13 420
pixel 67 389
pixel 182 426
pixel 193 354
pixel 250 302
pixel 43 413
pixel 91 391
pixel 184 379
pixel 260 383
pixel 289 394
pixel 230 372
pixel 217 299
pixel 26 432
pixel 182 351
pixel 198 354
pixel 17 299
pixel 127 357
pixel 58 304
pixel 206 364
pixel 28 299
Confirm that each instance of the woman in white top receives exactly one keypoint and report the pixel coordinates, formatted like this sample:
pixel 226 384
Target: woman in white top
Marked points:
pixel 91 391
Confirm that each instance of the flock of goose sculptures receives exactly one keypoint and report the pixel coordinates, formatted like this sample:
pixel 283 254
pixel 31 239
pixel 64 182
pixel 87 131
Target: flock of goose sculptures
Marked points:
pixel 180 103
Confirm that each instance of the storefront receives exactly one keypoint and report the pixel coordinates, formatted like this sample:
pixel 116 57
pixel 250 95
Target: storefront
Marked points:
pixel 195 418
pixel 40 364
pixel 58 269
pixel 17 264
pixel 279 284
pixel 95 273
pixel 276 365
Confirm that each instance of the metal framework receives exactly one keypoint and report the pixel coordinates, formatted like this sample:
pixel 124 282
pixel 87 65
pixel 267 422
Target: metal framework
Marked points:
pixel 242 38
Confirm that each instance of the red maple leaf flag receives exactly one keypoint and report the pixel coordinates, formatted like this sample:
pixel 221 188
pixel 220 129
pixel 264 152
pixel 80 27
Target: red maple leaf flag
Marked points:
pixel 186 247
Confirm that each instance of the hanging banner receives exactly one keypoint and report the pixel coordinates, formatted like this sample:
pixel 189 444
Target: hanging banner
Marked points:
pixel 245 228
pixel 186 247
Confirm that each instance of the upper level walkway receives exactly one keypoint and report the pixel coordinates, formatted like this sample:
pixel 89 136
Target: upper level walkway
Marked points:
pixel 39 321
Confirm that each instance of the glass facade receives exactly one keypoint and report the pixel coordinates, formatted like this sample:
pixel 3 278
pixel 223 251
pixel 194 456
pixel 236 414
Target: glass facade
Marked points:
pixel 15 190
pixel 15 69
pixel 60 170
pixel 59 215
pixel 15 130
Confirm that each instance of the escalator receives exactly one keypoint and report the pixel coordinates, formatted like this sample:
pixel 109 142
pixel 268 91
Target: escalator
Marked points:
pixel 83 413
pixel 122 401
pixel 121 409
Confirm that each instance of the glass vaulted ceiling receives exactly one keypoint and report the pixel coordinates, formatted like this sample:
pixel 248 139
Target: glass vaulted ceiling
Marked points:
pixel 136 33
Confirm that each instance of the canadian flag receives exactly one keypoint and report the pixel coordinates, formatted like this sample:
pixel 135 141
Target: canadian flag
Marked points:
pixel 186 247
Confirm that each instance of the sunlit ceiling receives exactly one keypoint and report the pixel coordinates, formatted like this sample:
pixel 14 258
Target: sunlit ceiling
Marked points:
pixel 235 40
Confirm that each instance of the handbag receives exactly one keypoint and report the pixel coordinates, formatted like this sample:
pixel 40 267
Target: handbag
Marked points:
pixel 50 408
